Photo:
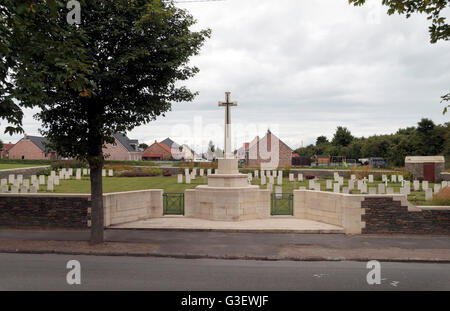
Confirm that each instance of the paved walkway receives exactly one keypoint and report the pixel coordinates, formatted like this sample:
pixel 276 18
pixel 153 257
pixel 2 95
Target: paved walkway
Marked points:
pixel 226 245
pixel 272 225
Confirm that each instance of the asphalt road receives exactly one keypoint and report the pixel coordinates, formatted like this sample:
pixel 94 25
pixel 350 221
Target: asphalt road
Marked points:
pixel 48 272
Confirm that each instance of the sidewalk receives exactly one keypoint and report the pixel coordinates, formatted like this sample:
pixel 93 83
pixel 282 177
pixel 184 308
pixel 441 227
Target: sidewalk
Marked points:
pixel 220 245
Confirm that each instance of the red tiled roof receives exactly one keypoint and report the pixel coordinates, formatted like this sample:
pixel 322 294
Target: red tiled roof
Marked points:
pixel 147 153
pixel 295 155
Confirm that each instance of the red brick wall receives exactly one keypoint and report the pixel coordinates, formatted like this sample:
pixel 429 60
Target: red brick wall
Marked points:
pixel 269 149
pixel 116 152
pixel 29 150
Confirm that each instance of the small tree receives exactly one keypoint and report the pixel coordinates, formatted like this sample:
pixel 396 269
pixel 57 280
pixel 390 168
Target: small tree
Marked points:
pixel 321 140
pixel 117 70
pixel 342 137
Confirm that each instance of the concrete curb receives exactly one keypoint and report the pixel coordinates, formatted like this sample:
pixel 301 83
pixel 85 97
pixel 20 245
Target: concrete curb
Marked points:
pixel 228 257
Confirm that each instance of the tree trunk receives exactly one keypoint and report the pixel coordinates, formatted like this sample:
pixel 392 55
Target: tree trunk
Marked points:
pixel 97 224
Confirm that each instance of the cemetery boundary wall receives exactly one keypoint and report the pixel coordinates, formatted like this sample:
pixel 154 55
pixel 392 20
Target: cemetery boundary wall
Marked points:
pixel 45 210
pixel 25 171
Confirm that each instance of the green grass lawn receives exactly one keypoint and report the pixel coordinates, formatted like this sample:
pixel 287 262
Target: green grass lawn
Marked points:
pixel 170 185
pixel 122 184
pixel 4 166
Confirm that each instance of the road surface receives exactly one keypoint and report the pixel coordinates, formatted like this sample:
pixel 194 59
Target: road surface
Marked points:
pixel 48 272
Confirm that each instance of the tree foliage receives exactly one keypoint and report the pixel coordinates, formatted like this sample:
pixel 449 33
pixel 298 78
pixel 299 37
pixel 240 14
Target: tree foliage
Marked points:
pixel 120 68
pixel 425 139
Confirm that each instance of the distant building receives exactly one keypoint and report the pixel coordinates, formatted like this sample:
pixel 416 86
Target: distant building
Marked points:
pixel 269 151
pixel 243 154
pixel 123 149
pixel 157 152
pixel 298 160
pixel 32 148
pixel 322 159
pixel 4 152
pixel 429 168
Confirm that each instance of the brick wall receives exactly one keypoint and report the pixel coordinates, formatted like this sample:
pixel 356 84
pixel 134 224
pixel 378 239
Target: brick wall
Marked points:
pixel 385 215
pixel 28 150
pixel 116 152
pixel 269 151
pixel 157 149
pixel 44 211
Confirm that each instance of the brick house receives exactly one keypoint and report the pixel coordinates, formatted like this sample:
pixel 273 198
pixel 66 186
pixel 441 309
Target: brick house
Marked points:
pixel 157 152
pixel 32 148
pixel 269 152
pixel 123 149
pixel 429 168
pixel 4 152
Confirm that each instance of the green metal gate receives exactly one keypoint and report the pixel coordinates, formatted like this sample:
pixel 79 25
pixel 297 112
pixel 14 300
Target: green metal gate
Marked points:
pixel 282 204
pixel 173 203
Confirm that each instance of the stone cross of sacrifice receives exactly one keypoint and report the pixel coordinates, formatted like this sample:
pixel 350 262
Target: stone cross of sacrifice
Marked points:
pixel 227 104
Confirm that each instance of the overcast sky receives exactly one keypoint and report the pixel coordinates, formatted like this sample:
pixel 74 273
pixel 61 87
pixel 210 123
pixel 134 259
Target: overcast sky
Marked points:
pixel 302 68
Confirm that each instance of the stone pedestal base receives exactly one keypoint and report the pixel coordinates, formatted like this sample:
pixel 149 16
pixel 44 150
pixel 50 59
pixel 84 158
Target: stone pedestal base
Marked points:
pixel 227 204
pixel 228 166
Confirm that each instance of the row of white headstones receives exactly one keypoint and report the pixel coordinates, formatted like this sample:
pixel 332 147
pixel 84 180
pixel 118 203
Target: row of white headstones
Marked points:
pixel 337 186
pixel 16 184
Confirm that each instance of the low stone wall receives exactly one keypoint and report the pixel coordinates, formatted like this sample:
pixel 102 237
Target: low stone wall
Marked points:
pixel 131 206
pixel 45 210
pixel 385 215
pixel 338 209
pixel 26 172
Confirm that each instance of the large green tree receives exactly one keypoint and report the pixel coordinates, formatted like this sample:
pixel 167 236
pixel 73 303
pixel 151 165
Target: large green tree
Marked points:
pixel 119 68
pixel 435 11
pixel 343 137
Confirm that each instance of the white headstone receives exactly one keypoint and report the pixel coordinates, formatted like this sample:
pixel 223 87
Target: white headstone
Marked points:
pixel 256 174
pixel 33 189
pixel 364 188
pixel 329 185
pixel 345 190
pixel 383 178
pixel 271 180
pixel 274 173
pixel 67 175
pixel 444 184
pixel 208 172
pixel 4 188
pixel 263 179
pixel 78 174
pixel 110 173
pixel 394 178
pixel 70 171
pixel 50 185
pixel 372 190
pixel 291 177
pixel 41 179
pixel 336 176
pixel 390 190
pixel 250 177
pixel 53 173
pixel 416 185
pixel 33 179
pixel 341 180
pixel 84 171
pixel 202 172
pixel 186 172
pixel 407 190
pixel 300 177
pixel 400 178
pixel 351 185
pixel 280 179
pixel 56 181
pixel 194 172
pixel 23 189
pixel 360 184
pixel 14 189
pixel 437 188
pixel 3 182
pixel 103 173
pixel 311 184
pixel 371 178
pixel 193 176
pixel 188 179
pixel 26 183
pixel 278 191
pixel 19 179
pixel 11 178
pixel 180 178
pixel 270 186
pixel 336 188
pixel 424 185
pixel 353 177
pixel 428 194
pixel 381 188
